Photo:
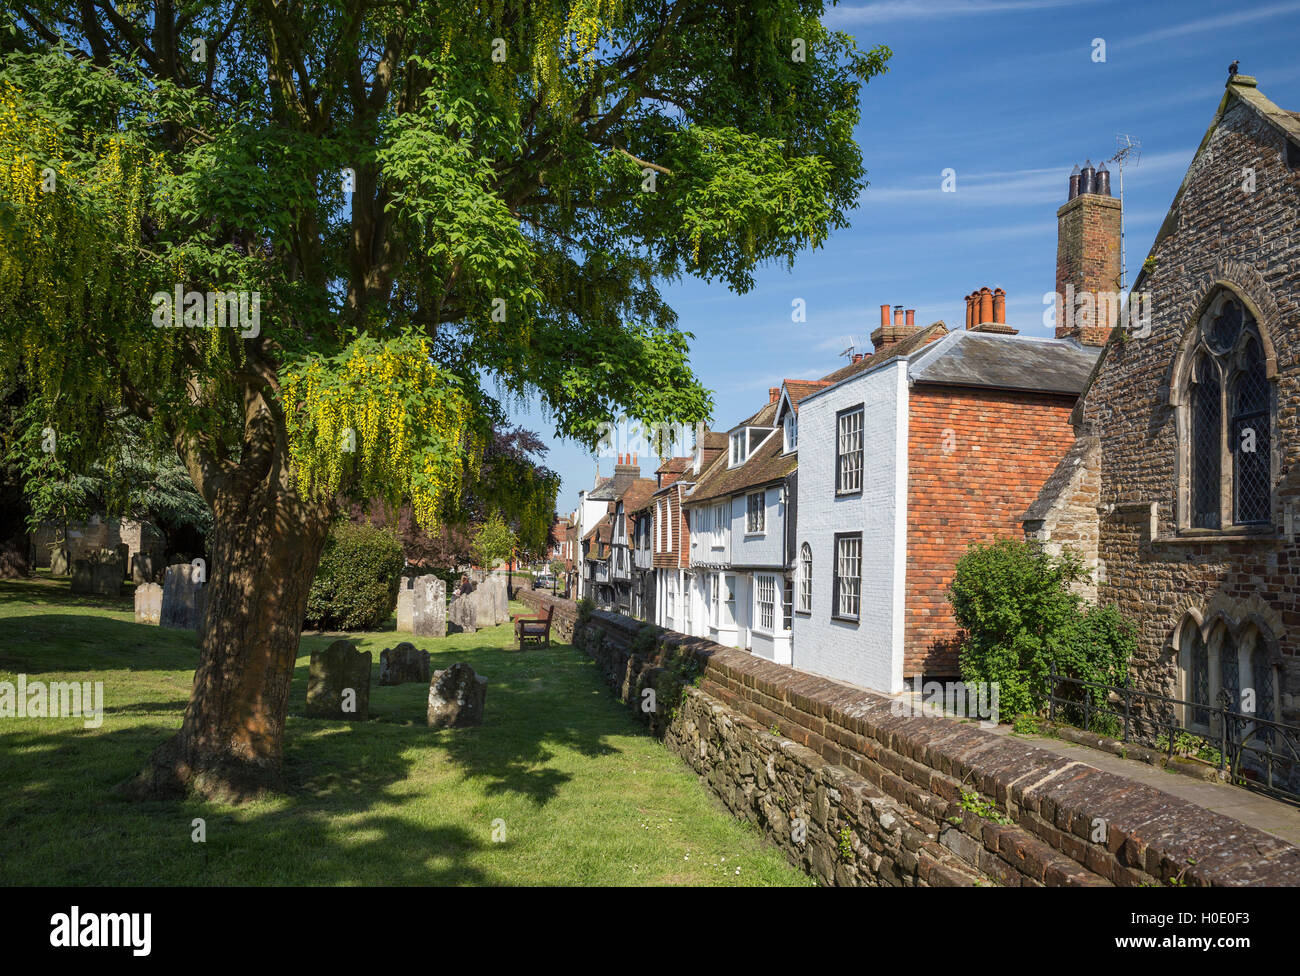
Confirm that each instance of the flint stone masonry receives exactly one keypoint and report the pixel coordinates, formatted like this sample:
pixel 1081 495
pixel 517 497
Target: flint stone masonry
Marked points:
pixel 336 671
pixel 98 572
pixel 428 607
pixel 180 603
pixel 403 663
pixel 457 697
pixel 890 786
pixel 148 603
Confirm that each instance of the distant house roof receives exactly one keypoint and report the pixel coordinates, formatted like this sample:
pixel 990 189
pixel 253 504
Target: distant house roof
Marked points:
pixel 904 347
pixel 764 466
pixel 637 497
pixel 674 465
pixel 1005 362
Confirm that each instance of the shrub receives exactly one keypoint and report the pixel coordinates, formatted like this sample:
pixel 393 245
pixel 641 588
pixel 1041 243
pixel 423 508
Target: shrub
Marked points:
pixel 356 585
pixel 1013 601
pixel 585 607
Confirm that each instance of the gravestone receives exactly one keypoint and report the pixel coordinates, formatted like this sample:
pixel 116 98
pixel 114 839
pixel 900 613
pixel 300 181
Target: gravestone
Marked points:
pixel 338 684
pixel 429 607
pixel 124 557
pixel 180 602
pixel 98 572
pixel 403 663
pixel 60 562
pixel 148 603
pixel 457 697
pixel 144 567
pixel 502 593
pixel 463 613
pixel 406 605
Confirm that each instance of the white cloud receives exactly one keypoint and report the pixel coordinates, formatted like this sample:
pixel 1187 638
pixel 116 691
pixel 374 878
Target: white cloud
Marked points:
pixel 1226 21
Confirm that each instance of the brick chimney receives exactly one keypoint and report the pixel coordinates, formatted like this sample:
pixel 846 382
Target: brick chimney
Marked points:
pixel 893 328
pixel 773 394
pixel 986 311
pixel 626 471
pixel 1087 258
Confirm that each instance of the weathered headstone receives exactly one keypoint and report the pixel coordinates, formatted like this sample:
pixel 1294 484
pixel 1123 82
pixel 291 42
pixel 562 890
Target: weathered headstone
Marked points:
pixel 338 684
pixel 148 603
pixel 60 562
pixel 98 572
pixel 124 558
pixel 180 602
pixel 462 613
pixel 429 607
pixel 403 663
pixel 502 600
pixel 406 605
pixel 144 567
pixel 457 697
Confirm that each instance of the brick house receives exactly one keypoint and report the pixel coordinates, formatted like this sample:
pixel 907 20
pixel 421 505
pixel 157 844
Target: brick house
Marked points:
pixel 934 441
pixel 1183 482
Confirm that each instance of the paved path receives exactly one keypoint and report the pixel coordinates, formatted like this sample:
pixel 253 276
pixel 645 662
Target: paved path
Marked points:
pixel 1271 816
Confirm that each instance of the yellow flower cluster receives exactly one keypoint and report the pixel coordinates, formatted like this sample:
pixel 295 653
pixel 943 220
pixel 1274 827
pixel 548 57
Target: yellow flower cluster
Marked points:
pixel 386 423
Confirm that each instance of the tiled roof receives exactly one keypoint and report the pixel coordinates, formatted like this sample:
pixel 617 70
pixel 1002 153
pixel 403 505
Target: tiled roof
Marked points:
pixel 637 497
pixel 674 465
pixel 798 389
pixel 903 347
pixel 764 466
pixel 1005 362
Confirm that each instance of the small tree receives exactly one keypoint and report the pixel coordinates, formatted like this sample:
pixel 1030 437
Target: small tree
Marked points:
pixel 1020 617
pixel 493 542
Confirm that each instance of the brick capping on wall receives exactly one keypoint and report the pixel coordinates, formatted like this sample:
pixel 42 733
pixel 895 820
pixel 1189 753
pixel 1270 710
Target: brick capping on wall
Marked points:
pixel 843 762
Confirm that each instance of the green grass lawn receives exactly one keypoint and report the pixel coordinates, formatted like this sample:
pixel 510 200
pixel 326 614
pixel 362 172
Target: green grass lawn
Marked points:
pixel 585 795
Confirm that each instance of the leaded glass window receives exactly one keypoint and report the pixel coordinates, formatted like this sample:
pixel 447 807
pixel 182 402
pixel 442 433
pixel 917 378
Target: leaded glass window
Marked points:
pixel 1200 679
pixel 1229 420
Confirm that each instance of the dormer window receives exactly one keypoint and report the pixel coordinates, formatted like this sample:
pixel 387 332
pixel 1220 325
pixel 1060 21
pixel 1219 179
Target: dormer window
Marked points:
pixel 739 448
pixel 791 428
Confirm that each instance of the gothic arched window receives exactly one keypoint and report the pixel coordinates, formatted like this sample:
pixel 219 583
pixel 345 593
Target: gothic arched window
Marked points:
pixel 1229 420
pixel 805 579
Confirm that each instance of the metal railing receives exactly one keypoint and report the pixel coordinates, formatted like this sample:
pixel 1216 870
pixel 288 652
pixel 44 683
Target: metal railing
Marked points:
pixel 1256 753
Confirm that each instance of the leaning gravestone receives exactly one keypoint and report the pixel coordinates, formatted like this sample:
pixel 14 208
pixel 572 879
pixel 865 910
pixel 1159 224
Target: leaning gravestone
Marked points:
pixel 98 572
pixel 148 603
pixel 403 663
pixel 338 684
pixel 180 602
pixel 429 607
pixel 406 605
pixel 457 697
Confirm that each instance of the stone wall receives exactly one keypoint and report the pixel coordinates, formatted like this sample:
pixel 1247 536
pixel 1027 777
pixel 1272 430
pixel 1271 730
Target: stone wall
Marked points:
pixel 566 612
pixel 858 795
pixel 100 533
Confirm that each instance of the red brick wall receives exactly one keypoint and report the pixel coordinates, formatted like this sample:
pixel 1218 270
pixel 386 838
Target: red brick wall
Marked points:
pixel 1000 449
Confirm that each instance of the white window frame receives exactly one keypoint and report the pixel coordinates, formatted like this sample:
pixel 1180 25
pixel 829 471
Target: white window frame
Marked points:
pixel 805 578
pixel 739 450
pixel 765 609
pixel 753 525
pixel 791 432
pixel 848 585
pixel 850 455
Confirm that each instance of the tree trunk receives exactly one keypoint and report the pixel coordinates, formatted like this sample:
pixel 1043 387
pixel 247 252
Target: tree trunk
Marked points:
pixel 264 548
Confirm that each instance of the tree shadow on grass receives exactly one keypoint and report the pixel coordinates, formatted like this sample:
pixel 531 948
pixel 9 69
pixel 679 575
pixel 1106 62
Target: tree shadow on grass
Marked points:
pixel 61 823
pixel 58 591
pixel 534 708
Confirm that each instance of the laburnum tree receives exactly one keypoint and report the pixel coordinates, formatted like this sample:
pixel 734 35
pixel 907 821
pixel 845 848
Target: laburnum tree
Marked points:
pixel 420 212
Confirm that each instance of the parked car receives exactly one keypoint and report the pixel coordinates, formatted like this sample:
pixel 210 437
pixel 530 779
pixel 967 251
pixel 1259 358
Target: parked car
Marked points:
pixel 543 581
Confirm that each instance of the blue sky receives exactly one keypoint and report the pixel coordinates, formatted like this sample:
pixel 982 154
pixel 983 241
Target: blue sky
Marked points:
pixel 1007 94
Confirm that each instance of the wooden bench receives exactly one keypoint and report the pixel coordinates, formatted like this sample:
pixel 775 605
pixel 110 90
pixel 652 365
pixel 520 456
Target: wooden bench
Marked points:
pixel 534 630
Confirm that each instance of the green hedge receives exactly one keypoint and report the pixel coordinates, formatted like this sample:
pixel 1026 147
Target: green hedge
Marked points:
pixel 356 585
pixel 1020 617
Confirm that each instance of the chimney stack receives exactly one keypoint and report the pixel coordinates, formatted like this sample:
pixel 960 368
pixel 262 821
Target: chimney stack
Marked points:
pixel 1088 259
pixel 773 394
pixel 986 311
pixel 902 325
